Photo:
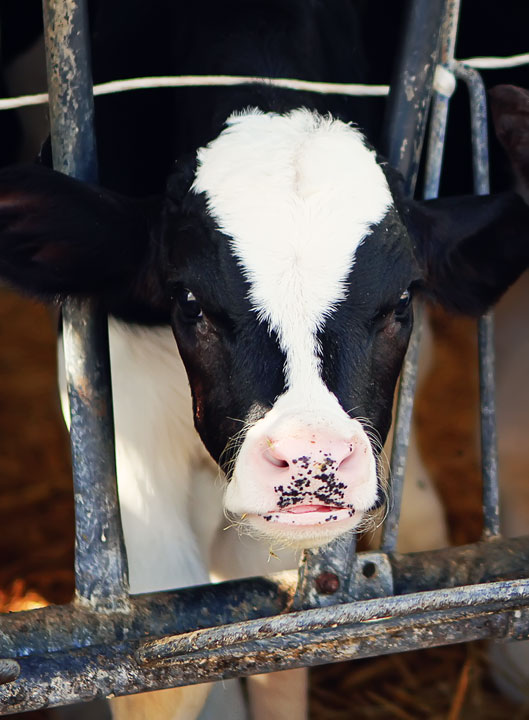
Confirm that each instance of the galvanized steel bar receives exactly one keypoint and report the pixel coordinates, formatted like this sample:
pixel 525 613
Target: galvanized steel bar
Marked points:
pixel 489 439
pixel 478 126
pixel 91 674
pixel 100 563
pixel 401 436
pixel 408 105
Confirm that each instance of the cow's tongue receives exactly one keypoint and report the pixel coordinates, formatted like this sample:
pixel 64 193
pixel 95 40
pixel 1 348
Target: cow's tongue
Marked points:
pixel 310 508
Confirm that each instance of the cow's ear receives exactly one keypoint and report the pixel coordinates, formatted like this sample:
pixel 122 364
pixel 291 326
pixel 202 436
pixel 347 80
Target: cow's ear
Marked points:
pixel 60 237
pixel 510 112
pixel 470 249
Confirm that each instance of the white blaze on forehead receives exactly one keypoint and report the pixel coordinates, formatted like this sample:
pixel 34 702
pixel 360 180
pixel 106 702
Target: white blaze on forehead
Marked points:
pixel 296 194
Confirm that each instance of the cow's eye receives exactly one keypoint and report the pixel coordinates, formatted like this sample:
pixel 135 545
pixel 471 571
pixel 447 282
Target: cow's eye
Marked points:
pixel 190 309
pixel 403 303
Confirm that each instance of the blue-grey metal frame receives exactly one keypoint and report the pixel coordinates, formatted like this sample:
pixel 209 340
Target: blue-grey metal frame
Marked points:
pixel 343 605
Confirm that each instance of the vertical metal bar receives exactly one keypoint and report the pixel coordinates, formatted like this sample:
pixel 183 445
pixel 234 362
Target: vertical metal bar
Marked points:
pixel 399 449
pixel 489 441
pixel 478 124
pixel 100 563
pixel 441 101
pixel 410 92
pixel 405 128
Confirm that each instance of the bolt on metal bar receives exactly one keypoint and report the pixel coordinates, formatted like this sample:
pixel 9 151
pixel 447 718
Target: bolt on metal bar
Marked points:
pixel 100 563
pixel 407 110
pixel 489 439
pixel 324 574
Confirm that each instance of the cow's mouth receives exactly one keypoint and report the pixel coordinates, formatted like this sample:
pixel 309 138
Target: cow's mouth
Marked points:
pixel 304 515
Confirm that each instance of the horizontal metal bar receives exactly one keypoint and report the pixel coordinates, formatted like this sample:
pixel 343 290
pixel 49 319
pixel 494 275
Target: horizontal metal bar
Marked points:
pixel 61 627
pixel 105 670
pixel 382 630
pixel 515 591
pixel 95 654
pixel 72 626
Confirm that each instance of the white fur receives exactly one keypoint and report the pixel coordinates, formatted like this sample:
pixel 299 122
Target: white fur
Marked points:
pixel 299 412
pixel 296 194
pixel 162 465
pixel 171 503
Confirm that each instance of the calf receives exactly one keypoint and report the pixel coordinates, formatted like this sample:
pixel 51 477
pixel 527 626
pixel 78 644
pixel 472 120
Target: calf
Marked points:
pixel 284 258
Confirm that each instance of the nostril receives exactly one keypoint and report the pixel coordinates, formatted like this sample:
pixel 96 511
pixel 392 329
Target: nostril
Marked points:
pixel 348 457
pixel 273 460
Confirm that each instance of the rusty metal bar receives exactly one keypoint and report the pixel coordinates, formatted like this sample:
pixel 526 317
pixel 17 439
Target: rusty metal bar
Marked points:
pixel 95 654
pixel 489 439
pixel 409 100
pixel 410 89
pixel 100 562
pixel 360 629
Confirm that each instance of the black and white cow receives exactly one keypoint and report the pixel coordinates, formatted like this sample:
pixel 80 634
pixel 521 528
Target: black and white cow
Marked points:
pixel 284 259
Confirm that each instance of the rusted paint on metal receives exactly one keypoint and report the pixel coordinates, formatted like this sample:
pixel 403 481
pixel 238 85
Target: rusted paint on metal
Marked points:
pixel 100 558
pixel 327 583
pixel 92 673
pixel 9 671
pixel 73 143
pixel 406 114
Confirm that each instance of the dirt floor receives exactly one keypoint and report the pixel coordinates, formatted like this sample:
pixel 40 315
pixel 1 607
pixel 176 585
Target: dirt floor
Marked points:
pixel 36 520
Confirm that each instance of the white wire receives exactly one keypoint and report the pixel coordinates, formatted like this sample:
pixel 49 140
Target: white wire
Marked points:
pixel 116 86
pixel 353 89
pixel 496 63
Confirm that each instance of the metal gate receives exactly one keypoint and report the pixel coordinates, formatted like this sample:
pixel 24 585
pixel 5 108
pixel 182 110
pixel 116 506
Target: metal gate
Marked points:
pixel 343 604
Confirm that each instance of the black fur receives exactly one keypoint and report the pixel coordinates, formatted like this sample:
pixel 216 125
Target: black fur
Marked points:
pixel 60 237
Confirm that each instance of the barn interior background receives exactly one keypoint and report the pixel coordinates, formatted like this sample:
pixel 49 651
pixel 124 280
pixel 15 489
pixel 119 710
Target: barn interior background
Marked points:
pixel 36 510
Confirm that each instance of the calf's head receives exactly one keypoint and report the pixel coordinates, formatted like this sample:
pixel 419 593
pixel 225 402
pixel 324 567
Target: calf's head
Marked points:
pixel 286 262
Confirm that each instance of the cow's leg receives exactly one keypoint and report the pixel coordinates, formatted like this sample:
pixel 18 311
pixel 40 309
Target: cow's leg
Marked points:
pixel 280 695
pixel 175 704
pixel 274 696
